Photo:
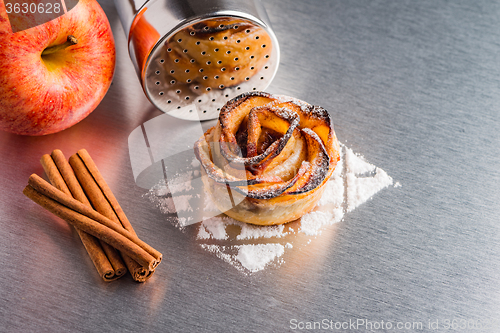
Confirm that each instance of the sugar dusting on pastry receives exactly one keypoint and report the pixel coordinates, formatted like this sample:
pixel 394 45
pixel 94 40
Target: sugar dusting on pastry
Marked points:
pixel 250 248
pixel 264 198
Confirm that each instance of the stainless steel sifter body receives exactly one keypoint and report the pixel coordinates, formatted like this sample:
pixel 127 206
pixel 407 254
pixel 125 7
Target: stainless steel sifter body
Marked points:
pixel 191 56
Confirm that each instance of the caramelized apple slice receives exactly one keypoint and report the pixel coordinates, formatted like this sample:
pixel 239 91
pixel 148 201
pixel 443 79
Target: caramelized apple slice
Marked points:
pixel 319 163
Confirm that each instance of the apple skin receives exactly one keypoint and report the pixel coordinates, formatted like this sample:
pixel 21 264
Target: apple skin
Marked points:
pixel 46 95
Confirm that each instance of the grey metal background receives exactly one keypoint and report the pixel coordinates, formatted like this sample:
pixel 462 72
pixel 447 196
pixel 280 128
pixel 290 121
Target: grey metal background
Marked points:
pixel 414 86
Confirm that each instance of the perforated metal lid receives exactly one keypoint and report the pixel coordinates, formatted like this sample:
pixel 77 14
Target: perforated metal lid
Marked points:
pixel 193 71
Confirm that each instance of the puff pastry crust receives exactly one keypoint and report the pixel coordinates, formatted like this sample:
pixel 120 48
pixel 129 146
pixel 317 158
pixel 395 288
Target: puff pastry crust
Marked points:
pixel 268 158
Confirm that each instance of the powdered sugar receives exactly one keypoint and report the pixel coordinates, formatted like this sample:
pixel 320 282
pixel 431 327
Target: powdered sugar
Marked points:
pixel 304 106
pixel 247 258
pixel 353 182
pixel 249 231
pixel 256 257
pixel 311 223
pixel 363 180
pixel 356 164
pixel 219 251
pixel 214 228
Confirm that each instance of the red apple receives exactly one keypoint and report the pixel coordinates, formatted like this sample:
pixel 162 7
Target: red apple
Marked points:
pixel 44 89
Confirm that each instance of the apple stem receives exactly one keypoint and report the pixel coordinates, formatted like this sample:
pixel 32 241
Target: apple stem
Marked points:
pixel 71 40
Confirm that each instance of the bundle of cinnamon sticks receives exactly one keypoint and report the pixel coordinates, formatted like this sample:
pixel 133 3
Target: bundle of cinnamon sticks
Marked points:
pixel 78 194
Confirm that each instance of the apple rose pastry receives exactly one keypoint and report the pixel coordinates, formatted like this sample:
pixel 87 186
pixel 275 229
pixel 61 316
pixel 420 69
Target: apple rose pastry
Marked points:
pixel 268 158
pixel 223 52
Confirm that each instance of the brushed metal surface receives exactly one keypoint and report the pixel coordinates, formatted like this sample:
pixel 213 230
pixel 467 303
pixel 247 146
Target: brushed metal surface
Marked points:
pixel 411 85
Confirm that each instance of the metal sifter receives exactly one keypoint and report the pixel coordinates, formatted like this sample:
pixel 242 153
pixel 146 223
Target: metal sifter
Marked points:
pixel 191 56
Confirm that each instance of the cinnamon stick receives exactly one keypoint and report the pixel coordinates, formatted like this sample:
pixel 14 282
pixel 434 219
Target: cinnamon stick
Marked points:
pixel 106 259
pixel 69 176
pixel 53 173
pixel 103 200
pixel 118 240
pixel 44 188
